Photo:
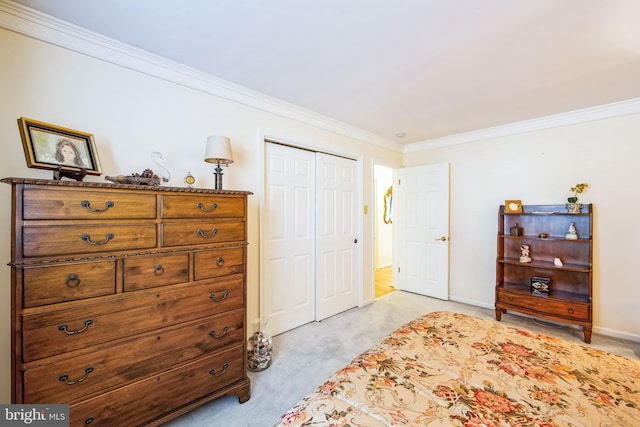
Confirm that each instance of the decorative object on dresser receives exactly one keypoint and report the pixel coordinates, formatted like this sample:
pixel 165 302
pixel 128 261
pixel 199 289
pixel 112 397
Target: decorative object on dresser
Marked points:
pixel 128 302
pixel 569 297
pixel 156 156
pixel 189 180
pixel 218 151
pixel 69 153
pixel 147 177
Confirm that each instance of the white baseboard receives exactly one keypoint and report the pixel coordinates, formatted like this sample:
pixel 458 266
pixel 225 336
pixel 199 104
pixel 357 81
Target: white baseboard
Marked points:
pixel 596 329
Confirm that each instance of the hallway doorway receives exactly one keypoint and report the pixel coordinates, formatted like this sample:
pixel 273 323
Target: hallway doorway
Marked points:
pixel 383 235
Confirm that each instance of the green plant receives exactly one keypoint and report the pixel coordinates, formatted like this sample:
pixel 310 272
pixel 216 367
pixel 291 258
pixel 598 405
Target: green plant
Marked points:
pixel 578 189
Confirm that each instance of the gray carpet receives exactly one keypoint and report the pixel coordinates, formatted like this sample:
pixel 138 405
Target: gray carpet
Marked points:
pixel 304 357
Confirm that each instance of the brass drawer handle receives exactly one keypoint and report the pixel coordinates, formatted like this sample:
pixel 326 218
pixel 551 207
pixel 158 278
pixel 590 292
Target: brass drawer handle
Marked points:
pixel 202 208
pixel 88 421
pixel 73 281
pixel 87 204
pixel 201 233
pixel 158 270
pixel 224 332
pixel 212 295
pixel 65 377
pixel 64 326
pixel 220 262
pixel 224 369
pixel 87 238
pixel 570 310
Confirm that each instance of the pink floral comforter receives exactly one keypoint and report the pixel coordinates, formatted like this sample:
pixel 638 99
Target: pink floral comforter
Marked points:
pixel 447 369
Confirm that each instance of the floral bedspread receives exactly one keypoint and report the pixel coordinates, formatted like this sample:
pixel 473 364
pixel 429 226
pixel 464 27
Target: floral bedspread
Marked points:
pixel 447 369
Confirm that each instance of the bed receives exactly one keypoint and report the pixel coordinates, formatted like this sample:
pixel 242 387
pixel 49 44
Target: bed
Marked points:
pixel 449 369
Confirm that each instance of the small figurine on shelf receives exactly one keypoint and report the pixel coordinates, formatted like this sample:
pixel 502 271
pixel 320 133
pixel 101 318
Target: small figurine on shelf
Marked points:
pixel 525 251
pixel 572 234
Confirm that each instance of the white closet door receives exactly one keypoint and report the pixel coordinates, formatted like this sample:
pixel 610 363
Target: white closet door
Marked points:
pixel 336 225
pixel 289 238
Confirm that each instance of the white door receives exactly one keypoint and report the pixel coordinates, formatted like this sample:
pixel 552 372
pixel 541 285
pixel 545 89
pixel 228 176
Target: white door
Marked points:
pixel 423 229
pixel 309 229
pixel 336 234
pixel 289 238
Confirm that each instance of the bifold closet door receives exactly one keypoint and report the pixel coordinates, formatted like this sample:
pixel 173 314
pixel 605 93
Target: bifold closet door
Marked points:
pixel 336 238
pixel 289 258
pixel 310 249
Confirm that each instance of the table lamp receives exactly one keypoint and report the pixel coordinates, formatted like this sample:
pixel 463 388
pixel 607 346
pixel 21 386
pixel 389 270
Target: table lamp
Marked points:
pixel 218 151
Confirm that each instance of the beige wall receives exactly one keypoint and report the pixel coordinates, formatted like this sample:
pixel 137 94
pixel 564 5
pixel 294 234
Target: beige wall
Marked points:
pixel 539 168
pixel 132 114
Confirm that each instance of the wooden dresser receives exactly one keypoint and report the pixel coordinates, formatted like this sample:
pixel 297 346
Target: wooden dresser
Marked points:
pixel 128 301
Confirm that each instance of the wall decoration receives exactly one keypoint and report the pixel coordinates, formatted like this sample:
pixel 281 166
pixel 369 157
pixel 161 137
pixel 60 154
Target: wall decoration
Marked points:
pixel 67 152
pixel 388 205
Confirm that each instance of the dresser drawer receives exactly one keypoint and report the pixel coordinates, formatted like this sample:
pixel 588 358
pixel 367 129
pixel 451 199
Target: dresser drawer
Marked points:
pixel 129 361
pixel 54 284
pixel 545 305
pixel 147 399
pixel 81 239
pixel 64 204
pixel 202 233
pixel 60 330
pixel 142 272
pixel 203 206
pixel 218 262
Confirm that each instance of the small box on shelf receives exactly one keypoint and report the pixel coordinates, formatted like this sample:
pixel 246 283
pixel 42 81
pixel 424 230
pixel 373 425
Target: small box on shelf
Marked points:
pixel 540 286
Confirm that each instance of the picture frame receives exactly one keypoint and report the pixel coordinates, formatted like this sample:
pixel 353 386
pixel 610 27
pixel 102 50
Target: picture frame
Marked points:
pixel 540 286
pixel 513 206
pixel 60 149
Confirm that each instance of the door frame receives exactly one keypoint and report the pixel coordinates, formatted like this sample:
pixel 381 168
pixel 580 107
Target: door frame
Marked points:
pixel 266 135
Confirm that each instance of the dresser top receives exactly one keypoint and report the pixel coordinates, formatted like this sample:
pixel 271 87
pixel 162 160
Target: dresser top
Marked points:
pixel 89 184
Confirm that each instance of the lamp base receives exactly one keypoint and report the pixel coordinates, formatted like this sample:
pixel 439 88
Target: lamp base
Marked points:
pixel 218 174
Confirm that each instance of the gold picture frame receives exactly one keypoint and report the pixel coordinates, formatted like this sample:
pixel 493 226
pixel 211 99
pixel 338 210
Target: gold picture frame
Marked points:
pixel 513 206
pixel 56 148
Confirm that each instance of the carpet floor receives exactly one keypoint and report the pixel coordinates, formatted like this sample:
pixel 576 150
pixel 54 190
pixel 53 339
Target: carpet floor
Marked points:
pixel 304 357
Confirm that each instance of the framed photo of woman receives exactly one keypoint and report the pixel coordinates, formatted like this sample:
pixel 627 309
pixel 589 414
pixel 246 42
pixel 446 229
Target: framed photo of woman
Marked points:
pixel 48 146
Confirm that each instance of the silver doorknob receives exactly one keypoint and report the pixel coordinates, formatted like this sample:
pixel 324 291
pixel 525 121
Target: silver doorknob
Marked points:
pixel 442 239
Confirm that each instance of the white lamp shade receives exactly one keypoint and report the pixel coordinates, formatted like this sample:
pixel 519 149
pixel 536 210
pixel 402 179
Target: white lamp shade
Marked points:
pixel 218 150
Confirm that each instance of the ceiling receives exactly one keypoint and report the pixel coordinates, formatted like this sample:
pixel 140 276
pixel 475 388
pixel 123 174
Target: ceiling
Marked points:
pixel 423 68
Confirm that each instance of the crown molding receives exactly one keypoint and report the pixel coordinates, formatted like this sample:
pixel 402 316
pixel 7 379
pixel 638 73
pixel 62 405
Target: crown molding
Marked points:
pixel 40 26
pixel 615 109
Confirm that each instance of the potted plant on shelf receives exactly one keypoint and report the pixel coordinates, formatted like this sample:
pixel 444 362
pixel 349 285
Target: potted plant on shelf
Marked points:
pixel 573 206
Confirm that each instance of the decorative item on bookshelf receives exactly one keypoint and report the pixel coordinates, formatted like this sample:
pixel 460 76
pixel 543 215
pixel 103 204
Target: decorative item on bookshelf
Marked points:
pixel 540 286
pixel 515 230
pixel 557 262
pixel 525 253
pixel 572 202
pixel 513 206
pixel 572 233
